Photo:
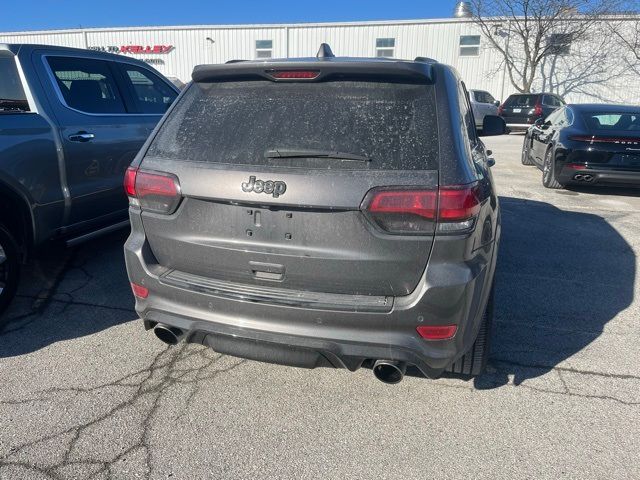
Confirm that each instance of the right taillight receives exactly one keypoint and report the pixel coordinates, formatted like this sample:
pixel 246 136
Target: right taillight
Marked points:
pixel 501 109
pixel 156 192
pixel 537 111
pixel 424 211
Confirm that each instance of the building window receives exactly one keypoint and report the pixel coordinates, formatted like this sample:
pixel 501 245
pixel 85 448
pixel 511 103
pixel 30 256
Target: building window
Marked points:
pixel 559 43
pixel 385 47
pixel 469 45
pixel 264 48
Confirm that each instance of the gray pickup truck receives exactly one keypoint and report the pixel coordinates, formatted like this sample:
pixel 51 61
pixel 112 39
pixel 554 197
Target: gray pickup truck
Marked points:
pixel 71 121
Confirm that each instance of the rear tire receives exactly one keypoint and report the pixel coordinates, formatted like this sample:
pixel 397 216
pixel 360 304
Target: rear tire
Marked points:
pixel 525 158
pixel 9 269
pixel 548 172
pixel 474 361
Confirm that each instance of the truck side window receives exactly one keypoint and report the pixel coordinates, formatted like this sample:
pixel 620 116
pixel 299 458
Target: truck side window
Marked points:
pixel 12 97
pixel 87 85
pixel 151 94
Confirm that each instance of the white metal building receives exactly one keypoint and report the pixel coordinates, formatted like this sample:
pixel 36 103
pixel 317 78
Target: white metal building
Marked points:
pixel 174 51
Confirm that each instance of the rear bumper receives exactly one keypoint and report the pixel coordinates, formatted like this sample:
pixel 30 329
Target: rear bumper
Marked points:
pixel 449 293
pixel 518 127
pixel 592 176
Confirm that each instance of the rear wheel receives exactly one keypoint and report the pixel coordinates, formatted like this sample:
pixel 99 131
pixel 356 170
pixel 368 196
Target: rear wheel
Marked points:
pixel 9 268
pixel 548 172
pixel 525 159
pixel 475 360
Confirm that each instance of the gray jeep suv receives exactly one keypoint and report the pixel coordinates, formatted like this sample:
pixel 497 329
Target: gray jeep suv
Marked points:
pixel 323 211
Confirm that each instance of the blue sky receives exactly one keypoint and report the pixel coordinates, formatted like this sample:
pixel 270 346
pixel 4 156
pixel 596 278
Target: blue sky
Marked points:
pixel 50 14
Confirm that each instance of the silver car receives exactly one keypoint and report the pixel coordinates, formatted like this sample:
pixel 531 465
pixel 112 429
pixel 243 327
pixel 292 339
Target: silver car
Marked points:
pixel 482 104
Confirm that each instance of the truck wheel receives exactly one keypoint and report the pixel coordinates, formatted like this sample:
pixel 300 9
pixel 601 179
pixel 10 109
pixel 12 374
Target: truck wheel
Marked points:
pixel 475 360
pixel 9 268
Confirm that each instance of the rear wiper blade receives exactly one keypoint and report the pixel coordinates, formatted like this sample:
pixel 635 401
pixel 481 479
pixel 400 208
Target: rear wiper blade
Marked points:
pixel 301 153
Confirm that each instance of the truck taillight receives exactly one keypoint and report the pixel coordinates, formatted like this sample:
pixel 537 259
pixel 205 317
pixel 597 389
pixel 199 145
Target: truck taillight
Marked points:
pixel 156 192
pixel 423 211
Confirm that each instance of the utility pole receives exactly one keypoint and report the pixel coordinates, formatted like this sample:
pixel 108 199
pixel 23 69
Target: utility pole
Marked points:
pixel 504 69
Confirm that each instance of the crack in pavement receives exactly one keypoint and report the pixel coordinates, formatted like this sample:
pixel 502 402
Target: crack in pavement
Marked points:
pixel 184 366
pixel 619 376
pixel 43 298
pixel 489 380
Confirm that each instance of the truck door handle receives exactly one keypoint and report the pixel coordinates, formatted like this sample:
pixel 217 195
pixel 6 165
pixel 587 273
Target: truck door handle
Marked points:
pixel 82 137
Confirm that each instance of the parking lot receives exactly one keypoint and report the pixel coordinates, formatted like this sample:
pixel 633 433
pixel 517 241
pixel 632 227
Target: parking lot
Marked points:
pixel 85 392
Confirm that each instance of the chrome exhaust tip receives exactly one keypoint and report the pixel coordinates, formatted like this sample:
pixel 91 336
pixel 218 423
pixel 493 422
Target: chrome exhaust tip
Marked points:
pixel 167 334
pixel 578 177
pixel 587 178
pixel 389 371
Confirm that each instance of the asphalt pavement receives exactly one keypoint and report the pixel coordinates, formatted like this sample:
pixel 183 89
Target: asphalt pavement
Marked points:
pixel 85 392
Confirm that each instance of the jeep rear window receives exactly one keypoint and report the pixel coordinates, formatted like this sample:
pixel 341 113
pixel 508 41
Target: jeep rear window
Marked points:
pixel 12 96
pixel 393 124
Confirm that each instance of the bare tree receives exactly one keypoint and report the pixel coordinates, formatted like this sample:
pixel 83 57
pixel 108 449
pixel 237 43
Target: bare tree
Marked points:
pixel 588 65
pixel 627 33
pixel 528 33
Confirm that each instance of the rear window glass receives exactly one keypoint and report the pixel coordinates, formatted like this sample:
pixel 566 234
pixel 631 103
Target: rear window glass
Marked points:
pixel 615 122
pixel 392 124
pixel 521 101
pixel 12 97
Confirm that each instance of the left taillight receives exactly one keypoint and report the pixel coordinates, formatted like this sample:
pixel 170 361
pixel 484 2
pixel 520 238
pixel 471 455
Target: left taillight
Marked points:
pixel 156 192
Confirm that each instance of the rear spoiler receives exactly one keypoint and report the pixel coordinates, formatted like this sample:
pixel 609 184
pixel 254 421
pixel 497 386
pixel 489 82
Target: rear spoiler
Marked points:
pixel 390 70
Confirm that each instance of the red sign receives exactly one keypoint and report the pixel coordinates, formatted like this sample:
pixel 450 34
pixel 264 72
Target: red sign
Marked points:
pixel 146 49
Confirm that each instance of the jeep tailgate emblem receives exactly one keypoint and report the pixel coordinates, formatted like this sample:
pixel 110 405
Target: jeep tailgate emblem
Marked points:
pixel 270 187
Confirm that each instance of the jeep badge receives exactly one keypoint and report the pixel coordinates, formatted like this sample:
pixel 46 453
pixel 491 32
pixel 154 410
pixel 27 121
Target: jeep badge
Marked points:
pixel 270 187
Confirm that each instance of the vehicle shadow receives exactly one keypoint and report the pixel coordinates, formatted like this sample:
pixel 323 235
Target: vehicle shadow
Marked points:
pixel 561 276
pixel 605 190
pixel 68 293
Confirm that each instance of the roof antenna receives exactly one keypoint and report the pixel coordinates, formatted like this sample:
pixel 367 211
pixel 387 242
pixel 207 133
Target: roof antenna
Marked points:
pixel 324 51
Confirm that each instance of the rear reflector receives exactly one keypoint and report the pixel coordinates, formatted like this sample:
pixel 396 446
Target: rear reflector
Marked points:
pixel 152 191
pixel 412 211
pixel 437 332
pixel 575 166
pixel 294 74
pixel 594 139
pixel 139 291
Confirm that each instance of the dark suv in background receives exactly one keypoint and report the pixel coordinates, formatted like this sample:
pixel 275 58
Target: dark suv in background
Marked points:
pixel 521 110
pixel 319 212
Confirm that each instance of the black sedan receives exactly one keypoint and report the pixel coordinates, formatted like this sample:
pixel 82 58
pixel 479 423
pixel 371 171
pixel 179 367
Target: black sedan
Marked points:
pixel 590 144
